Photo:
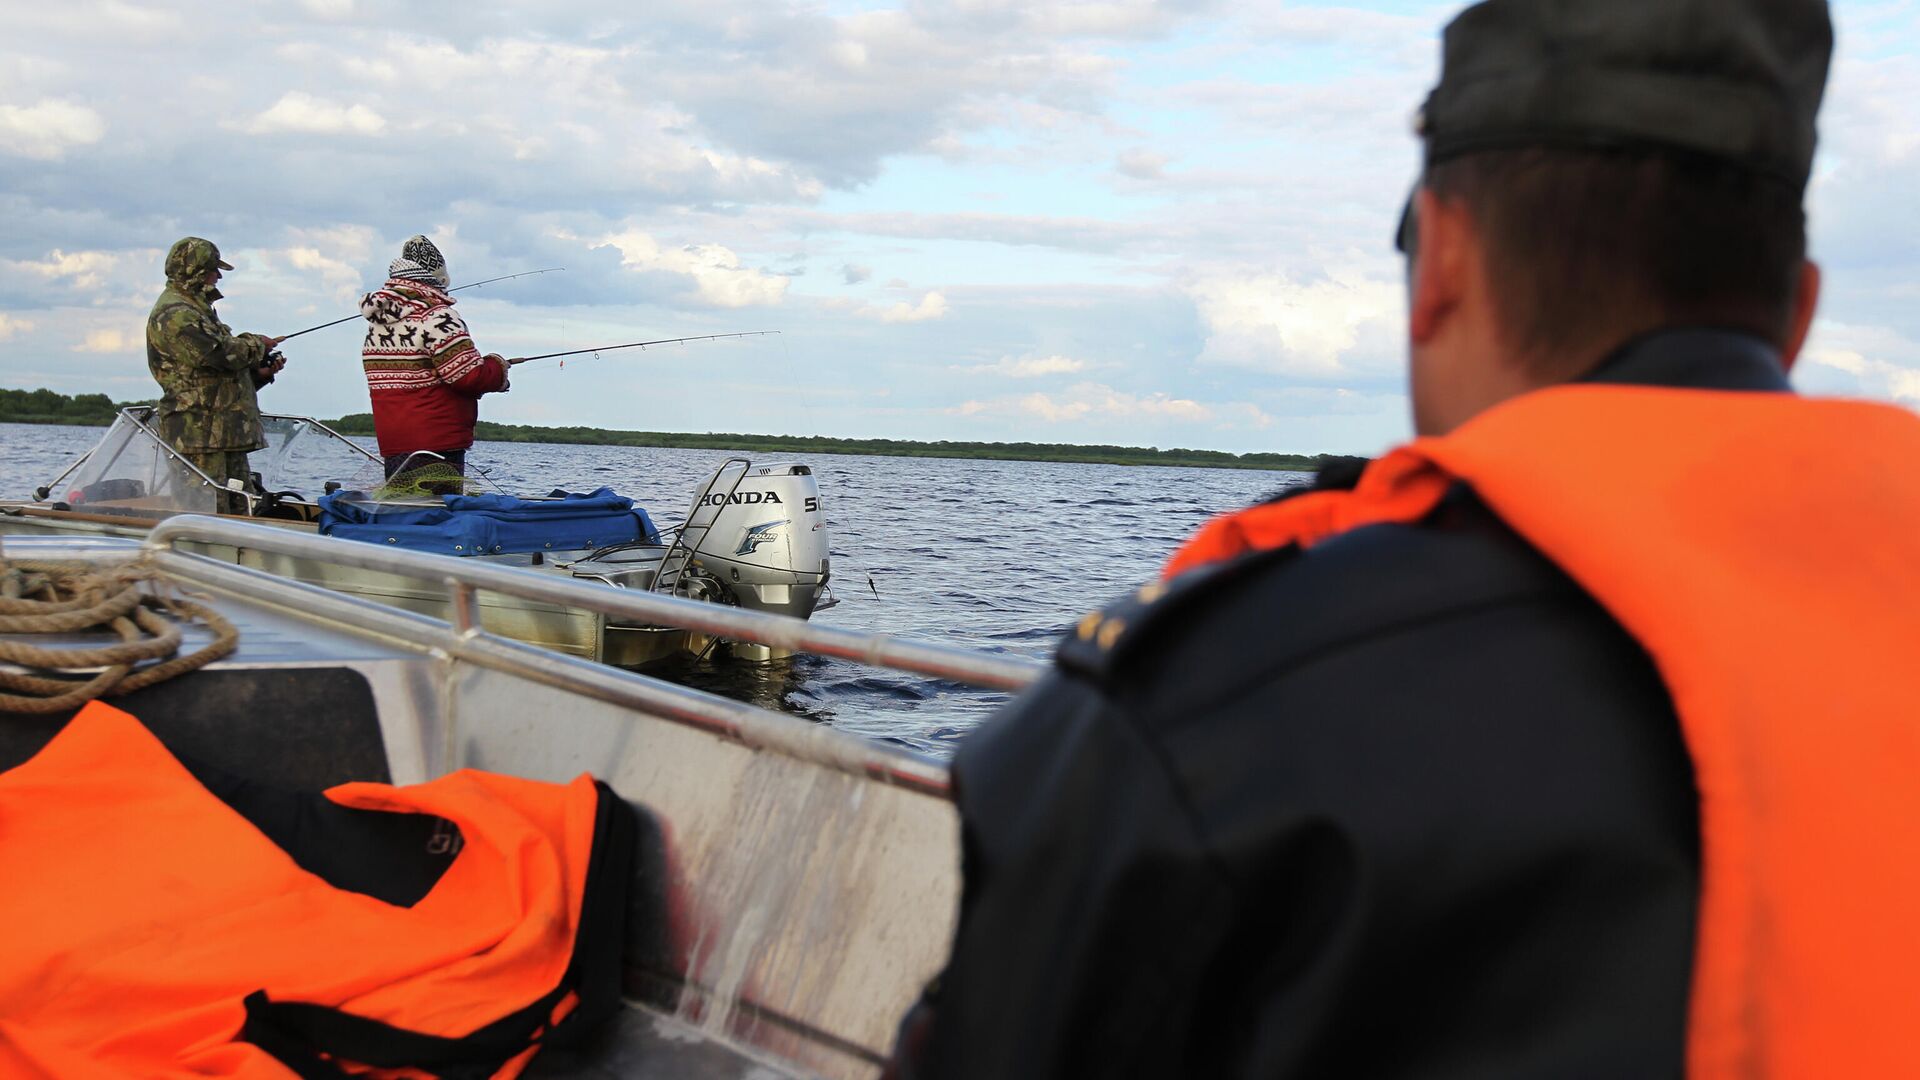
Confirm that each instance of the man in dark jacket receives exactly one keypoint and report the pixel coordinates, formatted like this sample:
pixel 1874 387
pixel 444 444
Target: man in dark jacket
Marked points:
pixel 208 375
pixel 1410 802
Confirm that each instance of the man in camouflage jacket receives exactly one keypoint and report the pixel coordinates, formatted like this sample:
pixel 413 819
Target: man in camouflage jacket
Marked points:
pixel 208 375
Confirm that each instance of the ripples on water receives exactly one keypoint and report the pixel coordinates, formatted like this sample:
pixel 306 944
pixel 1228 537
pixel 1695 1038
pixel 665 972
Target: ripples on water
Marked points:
pixel 1002 556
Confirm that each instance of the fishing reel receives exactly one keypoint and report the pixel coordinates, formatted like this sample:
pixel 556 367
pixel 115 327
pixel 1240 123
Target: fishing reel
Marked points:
pixel 271 365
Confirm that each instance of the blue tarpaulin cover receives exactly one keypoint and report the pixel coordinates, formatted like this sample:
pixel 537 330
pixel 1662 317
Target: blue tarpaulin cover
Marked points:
pixel 490 524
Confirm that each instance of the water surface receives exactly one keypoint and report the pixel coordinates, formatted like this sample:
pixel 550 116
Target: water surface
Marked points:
pixel 1002 556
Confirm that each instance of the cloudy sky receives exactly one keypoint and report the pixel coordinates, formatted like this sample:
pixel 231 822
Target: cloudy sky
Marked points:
pixel 1103 221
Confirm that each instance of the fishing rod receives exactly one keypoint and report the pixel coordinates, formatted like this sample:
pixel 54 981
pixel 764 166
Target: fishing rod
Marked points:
pixel 456 288
pixel 642 345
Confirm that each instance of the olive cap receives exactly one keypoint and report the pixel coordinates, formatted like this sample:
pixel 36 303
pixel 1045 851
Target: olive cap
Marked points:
pixel 191 257
pixel 1735 80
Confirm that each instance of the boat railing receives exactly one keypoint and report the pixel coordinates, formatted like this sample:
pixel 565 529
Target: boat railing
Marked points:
pixel 45 491
pixel 462 636
pixel 683 547
pixel 139 415
pixel 173 455
pixel 328 428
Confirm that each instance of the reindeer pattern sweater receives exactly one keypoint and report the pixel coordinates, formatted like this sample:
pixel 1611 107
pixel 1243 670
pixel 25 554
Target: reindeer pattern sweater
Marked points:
pixel 423 372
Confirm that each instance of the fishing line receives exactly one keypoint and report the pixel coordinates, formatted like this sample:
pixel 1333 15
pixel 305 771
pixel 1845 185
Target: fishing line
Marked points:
pixel 455 289
pixel 643 344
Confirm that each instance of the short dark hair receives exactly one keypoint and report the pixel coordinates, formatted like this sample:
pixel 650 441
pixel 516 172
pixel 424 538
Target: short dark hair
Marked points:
pixel 1587 248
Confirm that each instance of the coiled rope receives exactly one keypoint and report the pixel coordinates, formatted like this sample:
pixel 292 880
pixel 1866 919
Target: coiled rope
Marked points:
pixel 58 598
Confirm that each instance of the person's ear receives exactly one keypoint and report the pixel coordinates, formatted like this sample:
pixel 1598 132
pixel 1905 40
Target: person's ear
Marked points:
pixel 1438 277
pixel 1806 297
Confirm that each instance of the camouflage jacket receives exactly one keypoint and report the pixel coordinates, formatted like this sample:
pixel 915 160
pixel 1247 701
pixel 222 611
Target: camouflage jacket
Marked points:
pixel 206 375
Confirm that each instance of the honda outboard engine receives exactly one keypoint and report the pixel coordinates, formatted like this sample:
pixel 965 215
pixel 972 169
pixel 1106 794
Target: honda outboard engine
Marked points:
pixel 758 534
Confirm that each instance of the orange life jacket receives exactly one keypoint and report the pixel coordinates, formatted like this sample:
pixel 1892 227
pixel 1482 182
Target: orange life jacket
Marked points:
pixel 149 930
pixel 1765 550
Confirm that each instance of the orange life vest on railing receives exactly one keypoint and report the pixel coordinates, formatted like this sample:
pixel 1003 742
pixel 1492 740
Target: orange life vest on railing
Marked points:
pixel 149 930
pixel 1765 550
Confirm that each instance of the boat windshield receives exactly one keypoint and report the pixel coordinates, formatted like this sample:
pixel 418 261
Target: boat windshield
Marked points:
pixel 303 455
pixel 131 470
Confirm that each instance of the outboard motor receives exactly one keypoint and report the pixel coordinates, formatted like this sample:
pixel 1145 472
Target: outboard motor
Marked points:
pixel 763 538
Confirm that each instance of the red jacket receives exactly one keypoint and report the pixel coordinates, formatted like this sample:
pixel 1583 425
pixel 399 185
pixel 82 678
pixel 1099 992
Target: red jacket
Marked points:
pixel 423 372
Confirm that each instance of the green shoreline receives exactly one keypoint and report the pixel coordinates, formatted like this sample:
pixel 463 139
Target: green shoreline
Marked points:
pixel 97 410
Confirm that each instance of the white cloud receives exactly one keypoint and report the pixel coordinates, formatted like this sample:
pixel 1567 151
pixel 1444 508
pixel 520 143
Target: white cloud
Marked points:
pixel 931 306
pixel 1026 367
pixel 353 243
pixel 306 258
pixel 1873 361
pixel 109 341
pixel 1338 326
pixel 13 324
pixel 1095 401
pixel 95 24
pixel 341 278
pixel 1880 378
pixel 133 19
pixel 45 131
pixel 302 113
pixel 1861 210
pixel 80 269
pixel 1270 134
pixel 1075 18
pixel 718 277
pixel 1355 27
pixel 1014 230
pixel 1141 164
pixel 1869 119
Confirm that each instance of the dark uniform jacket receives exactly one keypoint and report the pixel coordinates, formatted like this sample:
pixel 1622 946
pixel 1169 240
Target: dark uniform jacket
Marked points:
pixel 208 374
pixel 1407 804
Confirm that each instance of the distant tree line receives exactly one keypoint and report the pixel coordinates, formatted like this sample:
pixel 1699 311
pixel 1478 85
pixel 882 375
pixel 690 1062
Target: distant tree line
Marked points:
pixel 362 424
pixel 47 407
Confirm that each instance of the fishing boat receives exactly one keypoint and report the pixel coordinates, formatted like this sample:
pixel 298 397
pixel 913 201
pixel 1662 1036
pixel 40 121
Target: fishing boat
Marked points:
pixel 753 536
pixel 794 887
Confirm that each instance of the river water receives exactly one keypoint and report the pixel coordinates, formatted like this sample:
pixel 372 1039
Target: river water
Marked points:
pixel 1002 556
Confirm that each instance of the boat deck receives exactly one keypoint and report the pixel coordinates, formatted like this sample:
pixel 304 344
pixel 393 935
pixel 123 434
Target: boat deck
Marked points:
pixel 795 887
pixel 646 1043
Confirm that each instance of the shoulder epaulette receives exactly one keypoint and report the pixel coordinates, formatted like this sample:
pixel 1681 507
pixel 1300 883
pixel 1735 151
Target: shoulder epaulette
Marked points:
pixel 1104 638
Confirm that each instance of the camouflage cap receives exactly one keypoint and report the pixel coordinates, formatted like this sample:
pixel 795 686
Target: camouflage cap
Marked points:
pixel 191 257
pixel 1737 80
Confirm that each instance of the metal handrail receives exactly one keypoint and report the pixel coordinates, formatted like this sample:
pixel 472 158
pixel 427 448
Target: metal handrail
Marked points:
pixel 45 491
pixel 41 493
pixel 167 448
pixel 179 458
pixel 364 452
pixel 680 542
pixel 766 628
pixel 462 639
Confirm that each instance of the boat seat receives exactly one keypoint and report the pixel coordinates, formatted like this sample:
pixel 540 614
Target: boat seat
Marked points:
pixel 236 720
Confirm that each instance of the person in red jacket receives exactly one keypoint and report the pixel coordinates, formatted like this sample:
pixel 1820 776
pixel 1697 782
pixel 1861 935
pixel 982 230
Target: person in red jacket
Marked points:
pixel 424 373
